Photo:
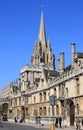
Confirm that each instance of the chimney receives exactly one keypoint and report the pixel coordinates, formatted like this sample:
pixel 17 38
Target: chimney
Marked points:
pixel 61 61
pixel 73 51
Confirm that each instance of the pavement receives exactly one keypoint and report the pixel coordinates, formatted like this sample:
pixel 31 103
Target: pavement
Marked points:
pixel 45 126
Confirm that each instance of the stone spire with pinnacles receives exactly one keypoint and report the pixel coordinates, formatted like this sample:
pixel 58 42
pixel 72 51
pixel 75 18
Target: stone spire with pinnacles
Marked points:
pixel 42 50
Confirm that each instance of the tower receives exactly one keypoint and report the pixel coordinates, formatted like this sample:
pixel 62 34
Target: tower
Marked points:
pixel 42 50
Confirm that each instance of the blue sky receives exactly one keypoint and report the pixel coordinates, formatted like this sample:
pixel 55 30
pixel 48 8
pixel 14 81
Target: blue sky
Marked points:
pixel 19 28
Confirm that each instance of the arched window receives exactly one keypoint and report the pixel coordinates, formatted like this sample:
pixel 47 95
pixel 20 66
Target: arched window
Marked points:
pixel 67 92
pixel 40 110
pixel 77 86
pixel 44 111
pixel 40 96
pixel 55 92
pixel 44 96
pixel 57 109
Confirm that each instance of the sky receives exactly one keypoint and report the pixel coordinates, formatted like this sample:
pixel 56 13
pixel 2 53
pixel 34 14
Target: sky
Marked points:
pixel 19 28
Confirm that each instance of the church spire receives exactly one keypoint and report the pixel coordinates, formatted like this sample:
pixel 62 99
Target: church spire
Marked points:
pixel 42 34
pixel 42 51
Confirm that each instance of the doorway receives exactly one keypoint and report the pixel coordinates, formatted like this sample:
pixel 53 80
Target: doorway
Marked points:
pixel 72 114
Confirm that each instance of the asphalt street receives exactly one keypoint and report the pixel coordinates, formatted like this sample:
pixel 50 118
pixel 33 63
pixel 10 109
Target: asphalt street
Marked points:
pixel 13 126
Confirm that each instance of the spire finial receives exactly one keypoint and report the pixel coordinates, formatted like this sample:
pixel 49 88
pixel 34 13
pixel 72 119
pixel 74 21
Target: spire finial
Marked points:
pixel 42 35
pixel 42 11
pixel 42 7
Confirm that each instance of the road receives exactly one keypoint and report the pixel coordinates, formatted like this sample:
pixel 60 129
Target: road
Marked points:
pixel 15 126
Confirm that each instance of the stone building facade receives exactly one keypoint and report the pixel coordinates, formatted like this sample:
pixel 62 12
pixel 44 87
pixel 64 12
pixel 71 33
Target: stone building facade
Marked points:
pixel 40 81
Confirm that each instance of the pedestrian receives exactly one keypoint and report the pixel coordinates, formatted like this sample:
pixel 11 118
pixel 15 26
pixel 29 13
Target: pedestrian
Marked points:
pixel 78 124
pixel 15 119
pixel 60 121
pixel 56 122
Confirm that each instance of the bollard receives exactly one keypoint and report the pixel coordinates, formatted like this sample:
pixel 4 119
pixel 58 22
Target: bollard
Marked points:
pixel 52 126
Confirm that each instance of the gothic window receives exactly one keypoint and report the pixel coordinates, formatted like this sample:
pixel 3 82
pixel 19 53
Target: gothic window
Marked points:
pixel 57 109
pixel 55 91
pixel 40 110
pixel 44 96
pixel 44 111
pixel 40 97
pixel 67 92
pixel 77 86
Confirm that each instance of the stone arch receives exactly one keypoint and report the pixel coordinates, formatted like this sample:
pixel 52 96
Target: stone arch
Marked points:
pixel 5 108
pixel 68 110
pixel 23 112
pixel 72 113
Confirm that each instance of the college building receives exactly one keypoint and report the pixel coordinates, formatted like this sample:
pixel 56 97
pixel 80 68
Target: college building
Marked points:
pixel 43 93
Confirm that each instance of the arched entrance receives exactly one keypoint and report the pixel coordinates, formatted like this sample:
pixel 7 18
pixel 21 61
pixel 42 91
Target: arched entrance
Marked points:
pixel 5 111
pixel 23 112
pixel 72 113
pixel 5 108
